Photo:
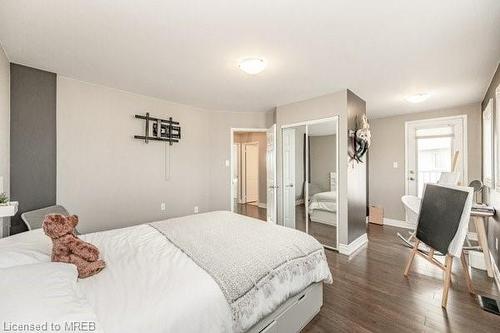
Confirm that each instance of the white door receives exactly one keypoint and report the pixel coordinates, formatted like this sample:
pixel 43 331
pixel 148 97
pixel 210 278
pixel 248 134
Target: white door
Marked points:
pixel 234 179
pixel 251 172
pixel 431 145
pixel 289 177
pixel 271 174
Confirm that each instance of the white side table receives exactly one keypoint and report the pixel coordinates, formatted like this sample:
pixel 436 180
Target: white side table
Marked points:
pixel 6 212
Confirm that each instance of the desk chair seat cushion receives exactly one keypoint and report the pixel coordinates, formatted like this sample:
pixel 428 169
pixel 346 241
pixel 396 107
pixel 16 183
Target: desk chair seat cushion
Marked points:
pixel 34 219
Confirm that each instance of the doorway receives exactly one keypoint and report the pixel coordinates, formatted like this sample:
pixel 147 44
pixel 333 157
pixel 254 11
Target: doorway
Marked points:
pixel 431 146
pixel 249 172
pixel 253 173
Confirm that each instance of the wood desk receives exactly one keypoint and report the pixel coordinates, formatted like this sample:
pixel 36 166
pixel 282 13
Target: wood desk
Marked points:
pixel 480 218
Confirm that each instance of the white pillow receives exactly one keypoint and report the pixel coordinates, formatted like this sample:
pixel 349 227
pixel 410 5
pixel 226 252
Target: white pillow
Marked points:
pixel 29 247
pixel 44 294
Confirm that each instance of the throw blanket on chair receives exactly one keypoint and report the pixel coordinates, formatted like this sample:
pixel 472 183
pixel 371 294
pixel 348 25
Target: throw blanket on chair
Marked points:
pixel 248 258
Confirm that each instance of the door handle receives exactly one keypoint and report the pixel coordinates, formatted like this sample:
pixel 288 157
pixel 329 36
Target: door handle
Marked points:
pixel 272 187
pixel 411 178
pixel 289 185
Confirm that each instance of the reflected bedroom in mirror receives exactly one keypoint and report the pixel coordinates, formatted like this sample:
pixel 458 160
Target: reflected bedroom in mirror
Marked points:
pixel 310 179
pixel 322 186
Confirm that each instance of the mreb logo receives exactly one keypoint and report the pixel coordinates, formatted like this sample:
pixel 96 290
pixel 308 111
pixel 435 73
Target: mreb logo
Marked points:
pixel 80 326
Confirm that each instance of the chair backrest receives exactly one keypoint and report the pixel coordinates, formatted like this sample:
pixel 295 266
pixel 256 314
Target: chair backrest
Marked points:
pixel 34 219
pixel 444 216
pixel 449 178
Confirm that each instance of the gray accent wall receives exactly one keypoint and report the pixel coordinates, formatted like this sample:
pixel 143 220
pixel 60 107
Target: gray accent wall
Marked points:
pixel 356 175
pixel 32 140
pixel 493 227
pixel 4 121
pixel 4 133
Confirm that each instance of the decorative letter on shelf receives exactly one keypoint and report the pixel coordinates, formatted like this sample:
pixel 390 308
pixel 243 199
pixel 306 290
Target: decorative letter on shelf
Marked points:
pixel 162 129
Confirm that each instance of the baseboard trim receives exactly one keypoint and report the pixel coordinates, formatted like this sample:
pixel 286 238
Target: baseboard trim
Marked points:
pixel 353 246
pixel 398 223
pixel 261 205
pixel 496 272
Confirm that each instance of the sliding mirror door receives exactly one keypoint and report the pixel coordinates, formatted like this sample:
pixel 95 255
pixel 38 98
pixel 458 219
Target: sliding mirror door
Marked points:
pixel 294 177
pixel 322 182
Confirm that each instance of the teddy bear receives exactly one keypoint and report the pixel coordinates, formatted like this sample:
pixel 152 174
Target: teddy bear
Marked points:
pixel 67 247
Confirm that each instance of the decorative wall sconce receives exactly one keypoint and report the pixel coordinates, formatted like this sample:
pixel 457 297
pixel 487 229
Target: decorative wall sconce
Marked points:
pixel 360 139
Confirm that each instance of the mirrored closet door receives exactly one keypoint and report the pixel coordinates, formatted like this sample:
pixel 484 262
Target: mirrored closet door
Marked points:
pixel 310 179
pixel 322 182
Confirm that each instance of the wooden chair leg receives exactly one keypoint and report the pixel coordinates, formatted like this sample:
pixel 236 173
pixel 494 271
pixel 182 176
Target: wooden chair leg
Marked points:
pixel 446 283
pixel 412 256
pixel 465 267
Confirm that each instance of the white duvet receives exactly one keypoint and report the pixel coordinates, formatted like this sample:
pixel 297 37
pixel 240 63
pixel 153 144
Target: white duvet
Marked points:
pixel 324 201
pixel 148 285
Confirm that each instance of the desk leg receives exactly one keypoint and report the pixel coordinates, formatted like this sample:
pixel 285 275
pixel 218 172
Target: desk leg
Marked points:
pixel 4 226
pixel 483 243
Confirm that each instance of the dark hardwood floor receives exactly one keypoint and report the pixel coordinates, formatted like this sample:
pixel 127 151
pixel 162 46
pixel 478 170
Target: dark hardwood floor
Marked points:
pixel 324 233
pixel 370 294
pixel 251 210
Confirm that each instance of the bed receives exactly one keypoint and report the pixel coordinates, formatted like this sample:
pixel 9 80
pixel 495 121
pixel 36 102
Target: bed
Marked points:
pixel 323 205
pixel 154 282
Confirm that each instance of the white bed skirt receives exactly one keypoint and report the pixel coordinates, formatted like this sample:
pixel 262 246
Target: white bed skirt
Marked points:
pixel 323 216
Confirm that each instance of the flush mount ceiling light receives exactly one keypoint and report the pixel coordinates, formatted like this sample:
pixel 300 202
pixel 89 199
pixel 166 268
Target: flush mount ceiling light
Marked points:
pixel 418 98
pixel 252 65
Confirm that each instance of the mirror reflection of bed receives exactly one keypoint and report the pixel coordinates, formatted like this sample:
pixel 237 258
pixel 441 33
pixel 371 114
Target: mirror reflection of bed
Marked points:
pixel 310 179
pixel 322 187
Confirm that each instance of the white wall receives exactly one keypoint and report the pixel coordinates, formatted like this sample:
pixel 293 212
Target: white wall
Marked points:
pixel 219 134
pixel 4 121
pixel 112 180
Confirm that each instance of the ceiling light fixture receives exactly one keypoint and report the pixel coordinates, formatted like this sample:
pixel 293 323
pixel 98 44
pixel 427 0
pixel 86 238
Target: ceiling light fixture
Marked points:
pixel 418 98
pixel 252 65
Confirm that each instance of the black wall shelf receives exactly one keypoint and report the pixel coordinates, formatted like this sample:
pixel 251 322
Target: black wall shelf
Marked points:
pixel 165 130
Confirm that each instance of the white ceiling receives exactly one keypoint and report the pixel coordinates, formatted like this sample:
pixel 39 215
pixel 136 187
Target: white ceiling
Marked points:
pixel 187 51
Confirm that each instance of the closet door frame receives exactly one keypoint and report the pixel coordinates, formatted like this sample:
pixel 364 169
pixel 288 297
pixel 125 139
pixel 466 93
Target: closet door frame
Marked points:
pixel 306 196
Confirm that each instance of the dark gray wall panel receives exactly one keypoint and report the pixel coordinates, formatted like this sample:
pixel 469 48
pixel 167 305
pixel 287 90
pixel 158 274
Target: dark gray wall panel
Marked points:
pixel 356 176
pixel 32 140
pixel 493 227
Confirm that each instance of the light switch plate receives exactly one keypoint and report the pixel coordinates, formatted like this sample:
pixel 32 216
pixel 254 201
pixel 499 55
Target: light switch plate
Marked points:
pixel 395 165
pixel 227 163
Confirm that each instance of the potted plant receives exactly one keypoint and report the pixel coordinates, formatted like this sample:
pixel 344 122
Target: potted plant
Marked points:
pixel 4 199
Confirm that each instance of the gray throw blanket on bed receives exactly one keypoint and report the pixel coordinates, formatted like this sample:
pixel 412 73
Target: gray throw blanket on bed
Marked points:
pixel 243 254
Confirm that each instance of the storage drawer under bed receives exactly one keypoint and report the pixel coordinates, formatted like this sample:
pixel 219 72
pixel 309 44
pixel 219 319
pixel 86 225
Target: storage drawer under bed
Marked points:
pixel 294 314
